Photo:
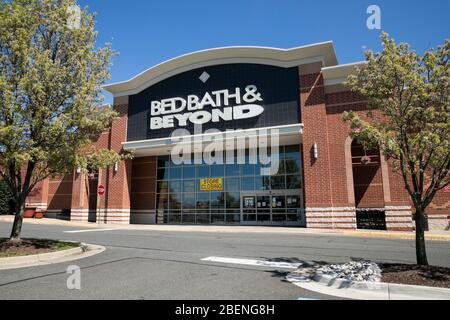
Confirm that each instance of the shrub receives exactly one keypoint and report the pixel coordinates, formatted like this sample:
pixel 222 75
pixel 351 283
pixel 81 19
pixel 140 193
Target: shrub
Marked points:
pixel 6 202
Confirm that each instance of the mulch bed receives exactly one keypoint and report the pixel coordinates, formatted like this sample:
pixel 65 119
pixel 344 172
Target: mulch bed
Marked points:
pixel 428 276
pixel 32 246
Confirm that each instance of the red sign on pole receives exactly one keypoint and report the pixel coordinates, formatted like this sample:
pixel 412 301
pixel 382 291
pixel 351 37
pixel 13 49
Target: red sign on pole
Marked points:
pixel 101 190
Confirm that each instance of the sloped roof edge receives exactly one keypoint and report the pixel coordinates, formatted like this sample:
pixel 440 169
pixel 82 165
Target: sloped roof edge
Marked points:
pixel 323 52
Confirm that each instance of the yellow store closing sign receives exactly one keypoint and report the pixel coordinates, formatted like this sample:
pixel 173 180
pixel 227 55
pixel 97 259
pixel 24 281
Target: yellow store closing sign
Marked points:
pixel 211 184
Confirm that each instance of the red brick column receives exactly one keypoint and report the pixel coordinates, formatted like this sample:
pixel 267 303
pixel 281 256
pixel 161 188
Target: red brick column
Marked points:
pixel 114 206
pixel 80 198
pixel 320 209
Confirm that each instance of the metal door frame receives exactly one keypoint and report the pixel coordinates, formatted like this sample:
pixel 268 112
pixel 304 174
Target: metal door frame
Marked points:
pixel 270 194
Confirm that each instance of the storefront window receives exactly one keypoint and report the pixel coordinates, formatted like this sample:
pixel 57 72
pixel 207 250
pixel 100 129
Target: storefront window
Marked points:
pixel 278 182
pixel 202 218
pixel 163 201
pixel 217 218
pixel 163 174
pixel 175 186
pixel 176 173
pixel 248 170
pixel 262 183
pixel 248 184
pixel 294 182
pixel 218 171
pixel 163 162
pixel 175 201
pixel 293 166
pixel 233 200
pixel 292 152
pixel 233 217
pixel 233 170
pixel 218 200
pixel 189 172
pixel 180 198
pixel 293 201
pixel 202 172
pixel 279 202
pixel 163 187
pixel 203 201
pixel 189 186
pixel 189 201
pixel 232 184
pixel 188 218
pixel 175 217
pixel 281 168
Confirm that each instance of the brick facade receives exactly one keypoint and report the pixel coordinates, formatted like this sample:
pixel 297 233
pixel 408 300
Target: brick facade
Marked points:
pixel 335 187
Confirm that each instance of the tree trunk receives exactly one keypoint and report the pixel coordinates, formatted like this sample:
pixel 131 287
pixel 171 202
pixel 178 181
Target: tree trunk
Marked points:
pixel 18 221
pixel 421 252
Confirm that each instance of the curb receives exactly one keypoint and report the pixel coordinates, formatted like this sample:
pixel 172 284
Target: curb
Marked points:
pixel 235 229
pixel 84 251
pixel 406 236
pixel 52 222
pixel 368 290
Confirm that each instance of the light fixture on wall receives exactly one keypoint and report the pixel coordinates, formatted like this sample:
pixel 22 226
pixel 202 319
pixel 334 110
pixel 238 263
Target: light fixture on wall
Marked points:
pixel 78 170
pixel 116 167
pixel 315 151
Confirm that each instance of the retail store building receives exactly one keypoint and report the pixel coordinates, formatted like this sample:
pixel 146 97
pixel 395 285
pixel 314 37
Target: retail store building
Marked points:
pixel 324 179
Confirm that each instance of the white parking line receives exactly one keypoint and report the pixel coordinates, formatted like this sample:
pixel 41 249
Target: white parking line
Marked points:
pixel 258 263
pixel 90 230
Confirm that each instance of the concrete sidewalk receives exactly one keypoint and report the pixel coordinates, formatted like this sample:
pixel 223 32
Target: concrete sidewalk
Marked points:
pixel 430 236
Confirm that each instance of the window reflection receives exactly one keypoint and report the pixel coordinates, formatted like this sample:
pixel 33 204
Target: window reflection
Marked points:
pixel 203 171
pixel 232 184
pixel 179 197
pixel 189 186
pixel 176 173
pixel 189 172
pixel 203 201
pixel 218 171
pixel 188 200
pixel 175 186
pixel 233 170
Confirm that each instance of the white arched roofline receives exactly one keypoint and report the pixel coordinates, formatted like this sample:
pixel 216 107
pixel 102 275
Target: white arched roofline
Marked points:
pixel 320 52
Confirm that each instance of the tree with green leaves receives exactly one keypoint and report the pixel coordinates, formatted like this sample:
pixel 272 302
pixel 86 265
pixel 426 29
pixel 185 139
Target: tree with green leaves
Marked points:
pixel 51 73
pixel 409 119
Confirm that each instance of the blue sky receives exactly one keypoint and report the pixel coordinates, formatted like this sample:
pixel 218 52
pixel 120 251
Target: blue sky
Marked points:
pixel 147 32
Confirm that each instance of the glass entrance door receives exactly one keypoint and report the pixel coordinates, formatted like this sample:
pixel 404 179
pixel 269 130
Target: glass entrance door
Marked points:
pixel 279 209
pixel 248 209
pixel 269 208
pixel 263 211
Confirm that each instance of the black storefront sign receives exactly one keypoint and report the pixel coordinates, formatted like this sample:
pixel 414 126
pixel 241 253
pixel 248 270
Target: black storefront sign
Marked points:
pixel 278 88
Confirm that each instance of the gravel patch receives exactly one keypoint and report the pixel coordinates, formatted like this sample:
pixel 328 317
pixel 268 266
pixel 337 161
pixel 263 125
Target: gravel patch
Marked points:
pixel 353 271
pixel 358 271
pixel 368 271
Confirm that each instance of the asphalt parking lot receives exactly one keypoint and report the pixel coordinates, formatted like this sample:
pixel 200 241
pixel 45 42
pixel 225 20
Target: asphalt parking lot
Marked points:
pixel 148 264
